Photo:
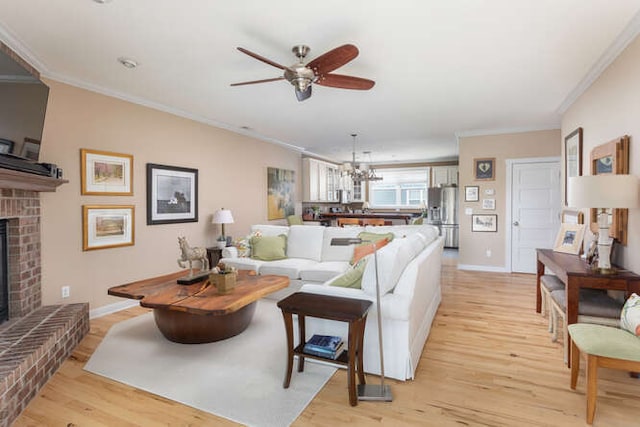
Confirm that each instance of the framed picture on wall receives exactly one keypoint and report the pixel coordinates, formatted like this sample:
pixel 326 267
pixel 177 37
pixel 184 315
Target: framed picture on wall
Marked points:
pixel 172 194
pixel 471 193
pixel 484 169
pixel 572 157
pixel 484 223
pixel 107 226
pixel 281 186
pixel 103 173
pixel 489 204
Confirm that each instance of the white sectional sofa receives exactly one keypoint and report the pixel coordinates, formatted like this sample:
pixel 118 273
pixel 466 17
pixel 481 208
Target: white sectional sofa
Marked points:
pixel 409 272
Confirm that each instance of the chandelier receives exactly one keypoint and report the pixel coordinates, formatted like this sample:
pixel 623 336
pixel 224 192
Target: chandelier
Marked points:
pixel 359 171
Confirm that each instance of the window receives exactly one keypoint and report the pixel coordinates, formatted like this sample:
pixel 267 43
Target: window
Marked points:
pixel 400 188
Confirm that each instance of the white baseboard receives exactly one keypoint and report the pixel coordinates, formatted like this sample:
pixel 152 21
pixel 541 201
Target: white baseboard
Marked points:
pixel 112 308
pixel 488 268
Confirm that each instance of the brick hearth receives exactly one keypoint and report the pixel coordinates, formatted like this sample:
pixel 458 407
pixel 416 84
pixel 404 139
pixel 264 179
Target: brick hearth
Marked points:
pixel 36 339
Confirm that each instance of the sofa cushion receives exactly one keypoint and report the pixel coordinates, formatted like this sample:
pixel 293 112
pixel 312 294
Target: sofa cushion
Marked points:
pixel 270 230
pixel 305 241
pixel 630 315
pixel 289 267
pixel 352 278
pixel 323 271
pixel 392 260
pixel 269 248
pixel 338 253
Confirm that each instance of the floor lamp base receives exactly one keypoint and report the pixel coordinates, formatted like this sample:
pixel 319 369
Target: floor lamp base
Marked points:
pixel 374 392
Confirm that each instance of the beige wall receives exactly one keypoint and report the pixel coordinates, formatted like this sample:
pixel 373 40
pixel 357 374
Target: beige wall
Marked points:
pixel 608 109
pixel 474 246
pixel 232 174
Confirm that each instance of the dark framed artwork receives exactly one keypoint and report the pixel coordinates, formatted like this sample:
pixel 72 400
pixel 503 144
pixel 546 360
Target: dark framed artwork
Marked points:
pixel 6 146
pixel 484 169
pixel 484 223
pixel 572 157
pixel 281 187
pixel 172 194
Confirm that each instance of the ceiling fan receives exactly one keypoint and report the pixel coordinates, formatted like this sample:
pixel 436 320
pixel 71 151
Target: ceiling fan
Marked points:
pixel 318 71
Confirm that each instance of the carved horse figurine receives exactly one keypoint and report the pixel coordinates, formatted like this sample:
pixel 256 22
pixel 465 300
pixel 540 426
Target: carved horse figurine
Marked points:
pixel 190 254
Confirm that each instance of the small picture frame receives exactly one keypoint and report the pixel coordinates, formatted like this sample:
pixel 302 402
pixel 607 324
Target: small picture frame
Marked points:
pixel 30 149
pixel 569 238
pixel 172 194
pixel 484 169
pixel 6 146
pixel 489 204
pixel 104 173
pixel 471 193
pixel 107 226
pixel 484 223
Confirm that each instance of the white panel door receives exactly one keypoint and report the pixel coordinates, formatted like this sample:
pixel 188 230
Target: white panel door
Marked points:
pixel 535 211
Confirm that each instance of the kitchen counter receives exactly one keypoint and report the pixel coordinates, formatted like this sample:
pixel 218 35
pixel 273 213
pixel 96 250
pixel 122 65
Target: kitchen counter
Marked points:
pixel 329 216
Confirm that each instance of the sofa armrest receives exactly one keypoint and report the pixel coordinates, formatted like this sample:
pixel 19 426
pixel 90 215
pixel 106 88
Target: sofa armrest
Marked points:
pixel 230 252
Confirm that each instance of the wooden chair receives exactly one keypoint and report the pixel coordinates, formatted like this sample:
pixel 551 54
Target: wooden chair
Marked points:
pixel 372 221
pixel 348 222
pixel 603 346
pixel 548 284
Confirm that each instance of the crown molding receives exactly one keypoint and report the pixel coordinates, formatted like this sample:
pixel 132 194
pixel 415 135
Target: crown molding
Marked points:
pixel 20 49
pixel 627 35
pixel 502 131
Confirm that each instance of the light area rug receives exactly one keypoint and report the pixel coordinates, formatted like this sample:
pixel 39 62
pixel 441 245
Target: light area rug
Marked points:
pixel 239 378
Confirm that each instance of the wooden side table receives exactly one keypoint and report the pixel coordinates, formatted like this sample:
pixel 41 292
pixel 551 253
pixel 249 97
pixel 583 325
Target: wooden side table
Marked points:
pixel 353 311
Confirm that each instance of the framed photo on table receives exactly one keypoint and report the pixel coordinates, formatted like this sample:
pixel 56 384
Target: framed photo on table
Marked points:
pixel 107 226
pixel 484 223
pixel 471 193
pixel 569 238
pixel 30 149
pixel 572 157
pixel 6 146
pixel 172 194
pixel 103 173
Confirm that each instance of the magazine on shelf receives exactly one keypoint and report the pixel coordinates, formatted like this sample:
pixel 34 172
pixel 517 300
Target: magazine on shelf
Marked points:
pixel 324 346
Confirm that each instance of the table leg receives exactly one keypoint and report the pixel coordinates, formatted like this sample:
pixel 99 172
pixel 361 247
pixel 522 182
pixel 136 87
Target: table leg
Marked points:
pixel 539 272
pixel 361 324
pixel 351 368
pixel 288 326
pixel 572 299
pixel 302 339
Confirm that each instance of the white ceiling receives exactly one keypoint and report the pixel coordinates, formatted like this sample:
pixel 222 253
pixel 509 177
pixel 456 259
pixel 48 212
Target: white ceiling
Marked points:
pixel 442 68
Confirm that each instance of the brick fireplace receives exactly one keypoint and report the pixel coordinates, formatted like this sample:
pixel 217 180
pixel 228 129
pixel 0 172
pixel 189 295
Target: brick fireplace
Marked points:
pixel 36 339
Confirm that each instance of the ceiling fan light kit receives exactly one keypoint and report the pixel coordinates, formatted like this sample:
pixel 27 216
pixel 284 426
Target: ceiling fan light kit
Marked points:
pixel 318 71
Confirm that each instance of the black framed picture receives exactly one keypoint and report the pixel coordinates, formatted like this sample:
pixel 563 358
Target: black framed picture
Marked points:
pixel 484 223
pixel 484 169
pixel 471 193
pixel 172 194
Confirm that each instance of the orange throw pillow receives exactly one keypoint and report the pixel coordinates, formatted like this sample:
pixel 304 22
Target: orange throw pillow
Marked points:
pixel 363 250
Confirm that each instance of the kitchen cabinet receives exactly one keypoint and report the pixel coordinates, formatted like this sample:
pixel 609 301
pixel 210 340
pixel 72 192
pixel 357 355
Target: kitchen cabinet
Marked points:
pixel 320 181
pixel 444 175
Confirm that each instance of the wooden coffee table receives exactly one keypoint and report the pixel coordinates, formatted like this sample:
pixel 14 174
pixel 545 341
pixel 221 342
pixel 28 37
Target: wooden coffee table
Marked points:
pixel 197 313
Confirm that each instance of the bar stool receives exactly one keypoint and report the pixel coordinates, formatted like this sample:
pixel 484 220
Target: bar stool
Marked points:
pixel 372 221
pixel 348 222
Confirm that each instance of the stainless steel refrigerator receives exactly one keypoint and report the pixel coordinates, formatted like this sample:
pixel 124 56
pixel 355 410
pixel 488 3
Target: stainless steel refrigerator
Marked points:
pixel 443 212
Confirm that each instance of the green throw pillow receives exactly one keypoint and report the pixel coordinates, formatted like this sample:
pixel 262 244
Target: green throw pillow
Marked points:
pixel 353 277
pixel 269 248
pixel 369 238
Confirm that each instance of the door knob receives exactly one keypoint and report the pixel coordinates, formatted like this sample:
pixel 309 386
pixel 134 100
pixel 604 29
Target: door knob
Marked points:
pixel 516 223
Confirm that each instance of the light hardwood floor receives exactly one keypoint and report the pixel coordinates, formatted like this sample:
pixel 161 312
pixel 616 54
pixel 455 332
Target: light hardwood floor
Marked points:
pixel 488 362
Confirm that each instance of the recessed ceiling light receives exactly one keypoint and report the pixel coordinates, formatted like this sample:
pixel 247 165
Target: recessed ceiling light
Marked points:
pixel 103 1
pixel 128 62
pixel 245 127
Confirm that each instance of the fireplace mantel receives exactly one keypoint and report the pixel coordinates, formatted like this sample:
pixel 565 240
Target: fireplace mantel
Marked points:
pixel 12 179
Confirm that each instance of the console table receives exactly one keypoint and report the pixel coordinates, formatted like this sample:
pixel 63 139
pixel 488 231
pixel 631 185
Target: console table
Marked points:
pixel 575 273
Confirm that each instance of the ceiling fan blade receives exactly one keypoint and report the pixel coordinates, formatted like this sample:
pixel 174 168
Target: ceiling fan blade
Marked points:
pixel 345 82
pixel 258 81
pixel 302 95
pixel 333 59
pixel 261 58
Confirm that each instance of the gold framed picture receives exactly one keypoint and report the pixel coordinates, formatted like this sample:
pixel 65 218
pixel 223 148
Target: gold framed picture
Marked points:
pixel 107 226
pixel 106 174
pixel 569 238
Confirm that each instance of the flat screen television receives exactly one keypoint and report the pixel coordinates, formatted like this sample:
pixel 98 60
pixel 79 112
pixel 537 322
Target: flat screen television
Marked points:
pixel 23 105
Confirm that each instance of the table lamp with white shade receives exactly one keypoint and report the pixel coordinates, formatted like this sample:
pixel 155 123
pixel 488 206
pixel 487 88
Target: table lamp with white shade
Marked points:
pixel 603 191
pixel 222 216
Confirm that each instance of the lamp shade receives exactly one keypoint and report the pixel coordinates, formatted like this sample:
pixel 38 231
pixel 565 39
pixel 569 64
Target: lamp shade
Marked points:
pixel 365 205
pixel 222 216
pixel 603 191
